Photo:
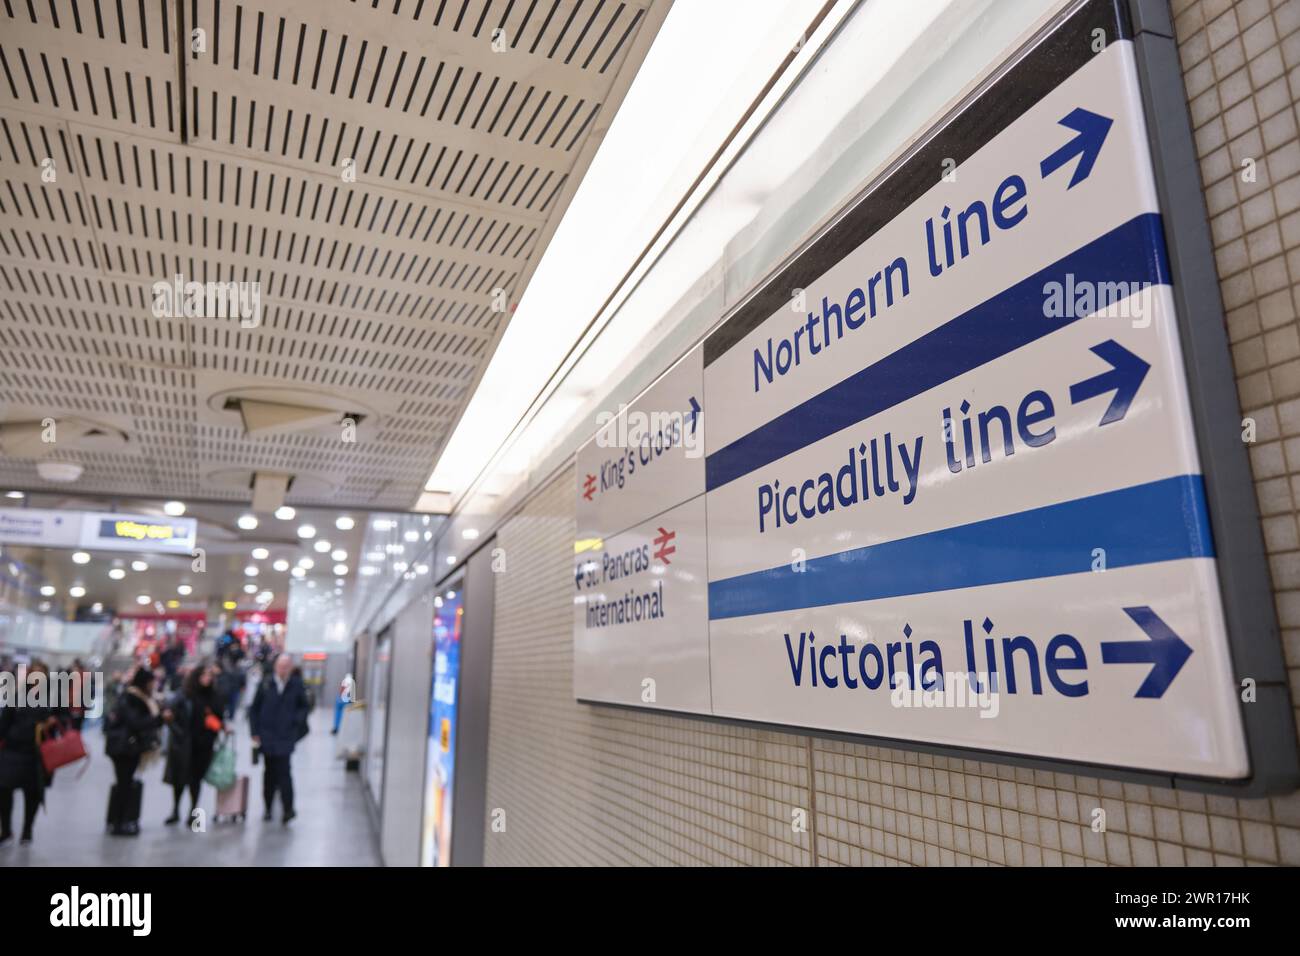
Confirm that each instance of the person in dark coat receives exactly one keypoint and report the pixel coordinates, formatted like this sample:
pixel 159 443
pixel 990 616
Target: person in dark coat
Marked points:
pixel 193 723
pixel 278 720
pixel 20 759
pixel 130 734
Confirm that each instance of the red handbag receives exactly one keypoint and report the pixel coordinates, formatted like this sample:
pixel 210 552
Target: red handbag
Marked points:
pixel 61 750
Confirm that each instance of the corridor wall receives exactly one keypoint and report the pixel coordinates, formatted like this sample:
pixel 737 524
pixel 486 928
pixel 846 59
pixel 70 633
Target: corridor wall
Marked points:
pixel 580 784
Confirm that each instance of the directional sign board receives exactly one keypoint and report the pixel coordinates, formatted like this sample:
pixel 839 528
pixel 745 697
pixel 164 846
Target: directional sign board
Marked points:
pixel 953 488
pixel 640 607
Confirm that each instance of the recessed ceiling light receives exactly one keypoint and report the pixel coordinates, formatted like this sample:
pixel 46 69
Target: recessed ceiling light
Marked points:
pixel 285 513
pixel 247 522
pixel 281 565
pixel 260 554
pixel 97 608
pixel 117 574
pixel 251 571
pixel 48 590
pixel 338 554
pixel 306 563
pixel 451 559
pixel 421 569
pixel 340 569
pixel 16 495
pixel 306 531
pixel 344 523
pixel 139 566
pixel 59 471
pixel 250 588
pixel 174 508
pixel 322 546
pixel 470 534
pixel 143 599
pixel 77 591
pixel 80 557
pixel 299 572
pixel 266 597
pixel 412 536
pixel 184 590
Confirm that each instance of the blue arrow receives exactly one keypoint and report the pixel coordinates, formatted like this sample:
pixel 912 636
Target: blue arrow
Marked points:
pixel 1124 379
pixel 695 411
pixel 1165 650
pixel 1092 129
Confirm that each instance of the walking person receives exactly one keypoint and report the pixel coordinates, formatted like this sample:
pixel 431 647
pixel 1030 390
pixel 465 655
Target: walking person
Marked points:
pixel 20 758
pixel 131 734
pixel 193 719
pixel 278 720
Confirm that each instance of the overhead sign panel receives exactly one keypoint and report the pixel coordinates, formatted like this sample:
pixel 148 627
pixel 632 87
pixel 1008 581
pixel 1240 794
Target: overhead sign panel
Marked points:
pixel 953 488
pixel 96 530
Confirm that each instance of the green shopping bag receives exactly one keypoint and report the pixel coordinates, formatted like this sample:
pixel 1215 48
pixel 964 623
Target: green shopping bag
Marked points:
pixel 221 772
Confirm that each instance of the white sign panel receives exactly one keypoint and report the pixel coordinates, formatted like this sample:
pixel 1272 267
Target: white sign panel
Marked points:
pixel 47 529
pixel 647 457
pixel 640 614
pixel 956 498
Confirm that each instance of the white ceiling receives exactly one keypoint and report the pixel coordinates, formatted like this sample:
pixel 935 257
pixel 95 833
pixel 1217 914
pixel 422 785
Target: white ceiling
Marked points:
pixel 226 164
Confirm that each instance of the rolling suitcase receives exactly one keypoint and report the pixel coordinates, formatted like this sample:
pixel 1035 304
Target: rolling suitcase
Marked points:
pixel 124 807
pixel 232 803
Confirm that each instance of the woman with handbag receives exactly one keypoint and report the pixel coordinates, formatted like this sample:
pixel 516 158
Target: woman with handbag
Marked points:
pixel 193 724
pixel 20 759
pixel 131 734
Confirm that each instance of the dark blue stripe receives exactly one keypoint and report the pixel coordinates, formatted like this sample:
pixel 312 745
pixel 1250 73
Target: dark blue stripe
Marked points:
pixel 1164 520
pixel 1133 252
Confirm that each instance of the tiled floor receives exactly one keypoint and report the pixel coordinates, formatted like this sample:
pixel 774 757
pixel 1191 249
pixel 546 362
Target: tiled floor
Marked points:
pixel 332 829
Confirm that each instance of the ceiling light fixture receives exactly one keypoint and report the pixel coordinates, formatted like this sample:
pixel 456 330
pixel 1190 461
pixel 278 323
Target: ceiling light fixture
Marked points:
pixel 80 557
pixel 344 523
pixel 260 554
pixel 306 531
pixel 285 513
pixel 174 508
pixel 247 522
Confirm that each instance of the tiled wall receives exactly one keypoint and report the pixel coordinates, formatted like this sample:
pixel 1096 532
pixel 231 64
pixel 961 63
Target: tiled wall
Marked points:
pixel 586 785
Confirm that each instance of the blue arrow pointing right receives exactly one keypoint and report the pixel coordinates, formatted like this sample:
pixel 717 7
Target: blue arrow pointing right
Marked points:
pixel 1092 129
pixel 695 411
pixel 1164 649
pixel 1124 378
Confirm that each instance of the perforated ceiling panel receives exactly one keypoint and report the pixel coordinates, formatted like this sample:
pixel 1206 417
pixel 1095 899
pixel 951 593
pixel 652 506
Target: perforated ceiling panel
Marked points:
pixel 383 173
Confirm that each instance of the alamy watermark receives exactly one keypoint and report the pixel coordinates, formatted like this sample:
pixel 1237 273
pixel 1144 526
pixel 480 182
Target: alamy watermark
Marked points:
pixel 954 690
pixel 178 298
pixel 76 690
pixel 1079 298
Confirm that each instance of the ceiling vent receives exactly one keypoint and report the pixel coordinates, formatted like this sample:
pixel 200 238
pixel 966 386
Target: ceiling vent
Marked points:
pixel 48 436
